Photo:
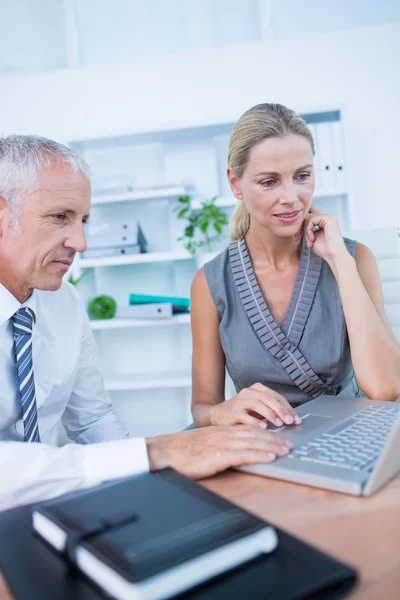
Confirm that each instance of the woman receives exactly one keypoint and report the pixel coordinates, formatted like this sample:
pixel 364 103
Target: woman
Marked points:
pixel 291 308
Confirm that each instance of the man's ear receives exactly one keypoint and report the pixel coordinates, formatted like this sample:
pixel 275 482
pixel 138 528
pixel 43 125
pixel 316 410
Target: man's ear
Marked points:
pixel 234 183
pixel 3 207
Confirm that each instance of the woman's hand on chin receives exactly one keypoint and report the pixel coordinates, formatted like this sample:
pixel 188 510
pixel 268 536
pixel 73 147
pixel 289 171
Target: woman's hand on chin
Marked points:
pixel 326 241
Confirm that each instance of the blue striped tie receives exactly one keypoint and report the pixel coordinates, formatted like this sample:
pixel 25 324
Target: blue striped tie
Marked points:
pixel 22 325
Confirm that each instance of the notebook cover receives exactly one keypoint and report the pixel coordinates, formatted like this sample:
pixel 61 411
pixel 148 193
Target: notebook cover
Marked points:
pixel 295 571
pixel 156 513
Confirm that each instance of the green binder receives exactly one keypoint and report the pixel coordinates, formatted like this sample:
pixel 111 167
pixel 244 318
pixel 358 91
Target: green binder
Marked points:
pixel 146 299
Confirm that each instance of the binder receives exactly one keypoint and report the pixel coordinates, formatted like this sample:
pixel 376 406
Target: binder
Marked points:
pixel 113 251
pixel 147 299
pixel 338 156
pixel 148 538
pixel 325 148
pixel 153 310
pixel 317 158
pixel 115 235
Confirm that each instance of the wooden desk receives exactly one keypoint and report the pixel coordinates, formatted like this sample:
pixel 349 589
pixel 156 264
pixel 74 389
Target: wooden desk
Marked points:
pixel 364 532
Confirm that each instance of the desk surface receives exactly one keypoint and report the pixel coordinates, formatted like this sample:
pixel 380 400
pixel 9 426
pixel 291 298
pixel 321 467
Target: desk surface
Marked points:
pixel 364 532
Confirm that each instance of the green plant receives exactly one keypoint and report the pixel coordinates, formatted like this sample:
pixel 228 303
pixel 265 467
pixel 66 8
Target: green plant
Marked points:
pixel 103 307
pixel 77 280
pixel 205 224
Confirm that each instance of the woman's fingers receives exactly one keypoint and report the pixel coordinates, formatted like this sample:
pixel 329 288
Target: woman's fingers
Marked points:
pixel 263 408
pixel 266 393
pixel 244 418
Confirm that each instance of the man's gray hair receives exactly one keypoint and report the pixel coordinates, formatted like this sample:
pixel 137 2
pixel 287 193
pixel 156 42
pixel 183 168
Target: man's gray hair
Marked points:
pixel 22 161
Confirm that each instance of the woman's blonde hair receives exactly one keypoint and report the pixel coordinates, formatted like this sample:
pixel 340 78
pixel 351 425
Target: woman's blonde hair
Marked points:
pixel 259 123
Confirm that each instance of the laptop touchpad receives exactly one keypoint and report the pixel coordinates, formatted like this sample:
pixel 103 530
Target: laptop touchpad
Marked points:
pixel 310 423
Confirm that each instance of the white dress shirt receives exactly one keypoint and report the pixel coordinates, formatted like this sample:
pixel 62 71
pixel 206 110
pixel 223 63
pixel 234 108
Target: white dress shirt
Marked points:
pixel 69 388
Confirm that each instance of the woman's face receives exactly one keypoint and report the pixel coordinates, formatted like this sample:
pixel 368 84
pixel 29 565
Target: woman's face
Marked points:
pixel 277 184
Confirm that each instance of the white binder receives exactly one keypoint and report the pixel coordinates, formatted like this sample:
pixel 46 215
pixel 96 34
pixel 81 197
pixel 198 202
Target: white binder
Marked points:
pixel 162 310
pixel 325 148
pixel 109 235
pixel 317 158
pixel 338 156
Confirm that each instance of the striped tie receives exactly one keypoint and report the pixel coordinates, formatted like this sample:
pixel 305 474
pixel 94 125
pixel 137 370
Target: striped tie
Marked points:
pixel 22 325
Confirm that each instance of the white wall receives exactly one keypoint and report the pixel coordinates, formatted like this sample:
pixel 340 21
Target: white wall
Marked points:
pixel 358 69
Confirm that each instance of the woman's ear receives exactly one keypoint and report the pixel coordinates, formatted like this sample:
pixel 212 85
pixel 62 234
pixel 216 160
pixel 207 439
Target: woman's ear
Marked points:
pixel 234 183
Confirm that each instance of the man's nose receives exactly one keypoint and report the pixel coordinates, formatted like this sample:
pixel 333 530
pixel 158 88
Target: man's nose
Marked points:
pixel 77 239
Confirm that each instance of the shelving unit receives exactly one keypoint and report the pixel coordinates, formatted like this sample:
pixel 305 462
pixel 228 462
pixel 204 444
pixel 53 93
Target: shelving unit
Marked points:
pixel 151 382
pixel 133 259
pixel 140 195
pixel 165 165
pixel 107 324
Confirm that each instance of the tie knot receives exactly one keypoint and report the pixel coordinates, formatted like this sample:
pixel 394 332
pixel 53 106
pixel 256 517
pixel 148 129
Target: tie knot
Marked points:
pixel 23 321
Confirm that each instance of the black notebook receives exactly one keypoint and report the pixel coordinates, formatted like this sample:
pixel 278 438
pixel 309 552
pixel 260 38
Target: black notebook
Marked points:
pixel 149 537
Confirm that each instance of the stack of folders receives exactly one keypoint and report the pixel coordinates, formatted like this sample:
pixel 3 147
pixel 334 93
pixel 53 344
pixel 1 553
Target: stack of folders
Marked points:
pixel 114 239
pixel 151 536
pixel 143 306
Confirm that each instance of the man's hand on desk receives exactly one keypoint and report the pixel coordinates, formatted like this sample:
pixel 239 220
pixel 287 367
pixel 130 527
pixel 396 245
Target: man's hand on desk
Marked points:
pixel 204 452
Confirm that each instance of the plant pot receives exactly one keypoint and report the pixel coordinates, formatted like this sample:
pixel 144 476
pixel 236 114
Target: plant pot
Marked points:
pixel 204 257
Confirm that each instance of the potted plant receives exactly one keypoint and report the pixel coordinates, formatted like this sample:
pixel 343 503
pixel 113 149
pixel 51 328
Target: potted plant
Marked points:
pixel 205 227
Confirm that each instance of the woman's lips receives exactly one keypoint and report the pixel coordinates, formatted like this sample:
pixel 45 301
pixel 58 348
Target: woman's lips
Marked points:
pixel 288 217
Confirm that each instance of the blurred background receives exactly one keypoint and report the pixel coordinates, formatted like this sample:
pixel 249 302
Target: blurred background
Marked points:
pixel 148 91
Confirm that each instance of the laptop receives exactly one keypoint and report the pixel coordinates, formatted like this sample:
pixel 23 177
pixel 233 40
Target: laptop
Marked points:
pixel 349 445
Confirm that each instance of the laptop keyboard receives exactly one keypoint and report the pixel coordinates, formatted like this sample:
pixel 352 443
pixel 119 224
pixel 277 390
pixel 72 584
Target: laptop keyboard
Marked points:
pixel 355 444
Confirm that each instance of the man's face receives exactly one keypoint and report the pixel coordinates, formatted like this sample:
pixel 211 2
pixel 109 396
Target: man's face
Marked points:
pixel 39 252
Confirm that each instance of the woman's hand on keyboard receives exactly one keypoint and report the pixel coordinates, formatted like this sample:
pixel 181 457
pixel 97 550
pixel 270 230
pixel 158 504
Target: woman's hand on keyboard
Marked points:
pixel 255 406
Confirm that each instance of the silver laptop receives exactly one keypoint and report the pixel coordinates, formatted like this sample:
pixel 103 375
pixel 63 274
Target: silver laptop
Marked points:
pixel 349 445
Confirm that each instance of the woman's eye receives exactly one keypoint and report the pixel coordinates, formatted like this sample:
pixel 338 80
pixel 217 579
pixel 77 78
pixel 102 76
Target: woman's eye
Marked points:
pixel 268 182
pixel 303 176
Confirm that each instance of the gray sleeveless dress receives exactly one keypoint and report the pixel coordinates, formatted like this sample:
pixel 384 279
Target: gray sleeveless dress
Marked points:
pixel 309 355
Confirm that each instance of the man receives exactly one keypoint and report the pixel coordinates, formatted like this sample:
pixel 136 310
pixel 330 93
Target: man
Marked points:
pixel 48 366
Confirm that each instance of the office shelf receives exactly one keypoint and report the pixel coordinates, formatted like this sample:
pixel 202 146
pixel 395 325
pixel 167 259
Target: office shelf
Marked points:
pixel 159 193
pixel 134 259
pixel 129 323
pixel 151 381
pixel 222 202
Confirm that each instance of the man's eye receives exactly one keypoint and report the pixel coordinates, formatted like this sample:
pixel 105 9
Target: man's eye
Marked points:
pixel 59 217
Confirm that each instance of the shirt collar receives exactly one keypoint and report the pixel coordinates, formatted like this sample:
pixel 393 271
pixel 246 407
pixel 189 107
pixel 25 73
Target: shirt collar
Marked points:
pixel 9 304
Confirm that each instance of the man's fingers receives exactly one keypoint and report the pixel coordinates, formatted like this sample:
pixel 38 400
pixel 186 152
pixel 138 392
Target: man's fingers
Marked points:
pixel 250 457
pixel 266 442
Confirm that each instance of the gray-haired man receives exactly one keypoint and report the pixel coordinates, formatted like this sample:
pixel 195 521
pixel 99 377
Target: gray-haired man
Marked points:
pixel 48 367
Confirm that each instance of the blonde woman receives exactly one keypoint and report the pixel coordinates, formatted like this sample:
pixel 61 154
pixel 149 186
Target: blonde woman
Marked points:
pixel 291 311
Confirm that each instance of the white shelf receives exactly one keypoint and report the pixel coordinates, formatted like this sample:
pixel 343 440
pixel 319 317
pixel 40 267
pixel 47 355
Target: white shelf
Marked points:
pixel 133 259
pixel 127 323
pixel 138 195
pixel 148 382
pixel 328 193
pixel 222 202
